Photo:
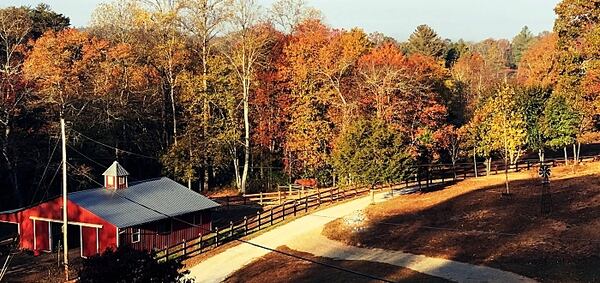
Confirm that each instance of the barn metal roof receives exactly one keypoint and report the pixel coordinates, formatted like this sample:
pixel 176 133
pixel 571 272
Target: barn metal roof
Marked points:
pixel 115 170
pixel 138 203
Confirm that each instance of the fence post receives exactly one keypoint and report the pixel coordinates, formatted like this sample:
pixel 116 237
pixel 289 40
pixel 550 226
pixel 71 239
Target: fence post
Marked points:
pixel 528 165
pixel 279 195
pixel 261 198
pixel 319 197
pixel 231 229
pixel 245 225
pixel 200 243
pixel 464 174
pixel 372 192
pixel 244 197
pixel 258 214
pixel 217 237
pixel 283 211
pixel 271 217
pixel 166 251
pixel 305 204
pixel 290 186
pixel 295 204
pixel 302 188
pixel 184 248
pixel 496 168
pixel 517 166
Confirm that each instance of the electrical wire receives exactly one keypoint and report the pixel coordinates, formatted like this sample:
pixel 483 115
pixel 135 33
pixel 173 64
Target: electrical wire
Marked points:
pixel 44 173
pixel 251 243
pixel 115 148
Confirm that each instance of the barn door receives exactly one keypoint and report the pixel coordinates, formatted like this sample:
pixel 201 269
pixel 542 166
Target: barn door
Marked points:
pixel 89 241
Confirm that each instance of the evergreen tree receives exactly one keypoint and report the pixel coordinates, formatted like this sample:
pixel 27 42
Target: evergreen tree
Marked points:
pixel 426 41
pixel 520 43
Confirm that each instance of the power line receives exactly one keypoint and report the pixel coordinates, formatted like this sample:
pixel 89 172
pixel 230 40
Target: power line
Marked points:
pixel 250 243
pixel 115 148
pixel 44 173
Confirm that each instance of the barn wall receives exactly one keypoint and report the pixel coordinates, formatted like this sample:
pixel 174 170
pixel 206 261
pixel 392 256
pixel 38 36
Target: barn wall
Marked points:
pixel 53 210
pixel 151 239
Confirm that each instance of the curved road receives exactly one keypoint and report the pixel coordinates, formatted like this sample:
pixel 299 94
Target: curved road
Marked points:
pixel 304 234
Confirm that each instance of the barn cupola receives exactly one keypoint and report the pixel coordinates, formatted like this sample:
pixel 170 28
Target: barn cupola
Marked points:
pixel 115 177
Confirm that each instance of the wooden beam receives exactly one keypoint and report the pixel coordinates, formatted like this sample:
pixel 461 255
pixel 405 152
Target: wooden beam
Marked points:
pixel 70 222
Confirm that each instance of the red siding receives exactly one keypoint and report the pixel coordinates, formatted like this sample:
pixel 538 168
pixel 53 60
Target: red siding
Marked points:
pixel 150 238
pixel 88 241
pixel 42 236
pixel 53 210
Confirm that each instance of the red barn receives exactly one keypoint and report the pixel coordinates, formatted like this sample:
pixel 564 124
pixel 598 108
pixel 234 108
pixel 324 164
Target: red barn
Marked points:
pixel 148 214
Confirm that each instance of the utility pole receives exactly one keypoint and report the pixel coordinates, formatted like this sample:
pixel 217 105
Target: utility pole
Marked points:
pixel 64 197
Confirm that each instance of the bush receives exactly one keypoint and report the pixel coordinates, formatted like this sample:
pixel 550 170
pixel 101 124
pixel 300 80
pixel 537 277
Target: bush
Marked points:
pixel 370 152
pixel 128 265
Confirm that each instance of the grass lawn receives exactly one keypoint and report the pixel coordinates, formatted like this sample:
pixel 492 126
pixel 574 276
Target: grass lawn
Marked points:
pixel 471 221
pixel 275 267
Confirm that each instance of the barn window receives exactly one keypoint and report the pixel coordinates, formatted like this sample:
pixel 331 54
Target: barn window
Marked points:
pixel 136 235
pixel 164 227
pixel 110 180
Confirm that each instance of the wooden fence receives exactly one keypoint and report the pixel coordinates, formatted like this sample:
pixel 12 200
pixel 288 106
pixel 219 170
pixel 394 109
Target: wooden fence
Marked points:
pixel 267 218
pixel 283 194
pixel 425 177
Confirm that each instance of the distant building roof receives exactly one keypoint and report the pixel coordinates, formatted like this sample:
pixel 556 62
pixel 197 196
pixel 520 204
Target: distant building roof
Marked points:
pixel 115 170
pixel 136 204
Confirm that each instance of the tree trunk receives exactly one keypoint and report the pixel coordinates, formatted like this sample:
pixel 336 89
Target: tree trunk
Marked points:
pixel 578 150
pixel 575 160
pixel 206 108
pixel 541 155
pixel 246 135
pixel 172 96
pixel 566 156
pixel 10 166
pixel 475 162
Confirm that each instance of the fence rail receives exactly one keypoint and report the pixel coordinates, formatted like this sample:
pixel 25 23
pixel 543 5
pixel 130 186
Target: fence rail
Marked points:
pixel 424 178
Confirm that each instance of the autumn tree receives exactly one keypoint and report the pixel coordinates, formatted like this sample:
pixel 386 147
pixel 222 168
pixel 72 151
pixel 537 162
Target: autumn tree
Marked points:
pixel 287 14
pixel 508 127
pixel 577 26
pixel 383 73
pixel 246 48
pixel 15 27
pixel 204 19
pixel 537 67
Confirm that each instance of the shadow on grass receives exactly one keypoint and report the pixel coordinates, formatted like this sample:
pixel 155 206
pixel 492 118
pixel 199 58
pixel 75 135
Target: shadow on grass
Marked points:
pixel 512 234
pixel 276 267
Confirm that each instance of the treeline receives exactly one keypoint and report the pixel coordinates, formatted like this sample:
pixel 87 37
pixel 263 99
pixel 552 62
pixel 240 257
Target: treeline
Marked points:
pixel 225 92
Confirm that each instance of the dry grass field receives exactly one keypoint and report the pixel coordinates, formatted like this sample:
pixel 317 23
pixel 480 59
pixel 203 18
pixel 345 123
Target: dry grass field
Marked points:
pixel 471 221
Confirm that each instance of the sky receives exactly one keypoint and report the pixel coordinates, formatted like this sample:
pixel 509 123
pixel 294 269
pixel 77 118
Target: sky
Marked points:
pixel 472 20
